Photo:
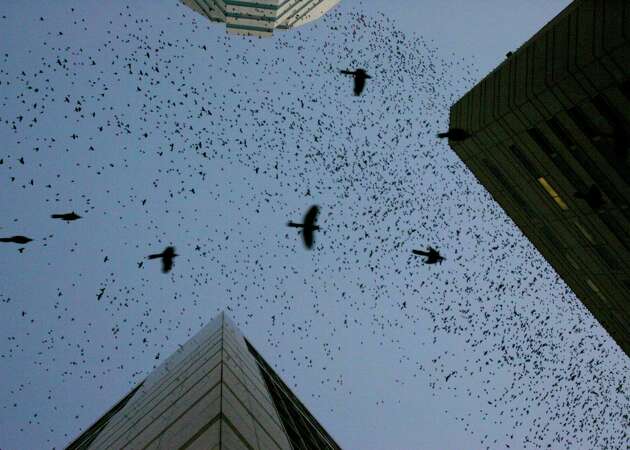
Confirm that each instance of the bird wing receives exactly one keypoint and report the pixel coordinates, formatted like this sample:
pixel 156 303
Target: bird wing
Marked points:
pixel 308 237
pixel 311 216
pixel 359 84
pixel 418 252
pixel 346 72
pixel 154 256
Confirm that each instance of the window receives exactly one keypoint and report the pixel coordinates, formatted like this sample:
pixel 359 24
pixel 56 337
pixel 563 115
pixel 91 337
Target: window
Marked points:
pixel 518 153
pixel 615 228
pixel 595 289
pixel 572 262
pixel 610 260
pixel 605 147
pixel 561 133
pixel 588 165
pixel 563 166
pixel 614 119
pixel 303 430
pixel 585 233
pixel 583 123
pixel 552 192
pixel 88 436
pixel 509 187
pixel 550 237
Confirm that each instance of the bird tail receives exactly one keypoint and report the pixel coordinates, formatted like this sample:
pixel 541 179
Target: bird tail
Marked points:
pixel 5 239
pixel 56 216
pixel 442 135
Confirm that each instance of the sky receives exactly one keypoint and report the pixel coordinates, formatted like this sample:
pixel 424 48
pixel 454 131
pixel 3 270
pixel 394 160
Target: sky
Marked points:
pixel 160 129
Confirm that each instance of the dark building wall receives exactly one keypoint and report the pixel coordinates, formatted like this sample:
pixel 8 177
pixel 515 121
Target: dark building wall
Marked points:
pixel 554 119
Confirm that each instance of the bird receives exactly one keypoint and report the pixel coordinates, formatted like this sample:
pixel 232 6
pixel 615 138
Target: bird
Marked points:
pixel 17 239
pixel 68 217
pixel 167 258
pixel 308 226
pixel 359 75
pixel 455 134
pixel 593 197
pixel 432 255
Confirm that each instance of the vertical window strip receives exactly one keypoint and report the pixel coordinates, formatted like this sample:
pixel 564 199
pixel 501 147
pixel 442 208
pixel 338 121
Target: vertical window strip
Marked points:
pixel 553 194
pixel 518 153
pixel 595 289
pixel 613 118
pixel 572 262
pixel 494 170
pixel 605 149
pixel 563 166
pixel 610 260
pixel 589 165
pixel 615 228
pixel 586 234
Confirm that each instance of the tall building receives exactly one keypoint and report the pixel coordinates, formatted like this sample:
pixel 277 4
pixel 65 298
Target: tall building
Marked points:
pixel 550 140
pixel 216 392
pixel 261 17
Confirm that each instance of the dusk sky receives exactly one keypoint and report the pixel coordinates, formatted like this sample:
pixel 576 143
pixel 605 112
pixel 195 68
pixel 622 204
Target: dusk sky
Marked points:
pixel 158 128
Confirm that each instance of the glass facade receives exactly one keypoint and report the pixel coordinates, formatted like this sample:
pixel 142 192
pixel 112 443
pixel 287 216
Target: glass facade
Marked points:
pixel 214 392
pixel 550 141
pixel 260 17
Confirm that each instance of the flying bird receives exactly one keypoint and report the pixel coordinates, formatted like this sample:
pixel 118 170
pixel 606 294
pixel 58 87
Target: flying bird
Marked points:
pixel 167 258
pixel 359 75
pixel 68 217
pixel 455 134
pixel 432 255
pixel 308 226
pixel 17 239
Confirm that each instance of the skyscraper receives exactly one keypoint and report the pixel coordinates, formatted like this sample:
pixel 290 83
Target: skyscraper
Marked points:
pixel 550 140
pixel 261 17
pixel 214 392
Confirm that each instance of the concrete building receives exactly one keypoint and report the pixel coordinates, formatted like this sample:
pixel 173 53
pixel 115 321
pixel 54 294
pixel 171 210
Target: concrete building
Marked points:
pixel 553 121
pixel 261 17
pixel 214 392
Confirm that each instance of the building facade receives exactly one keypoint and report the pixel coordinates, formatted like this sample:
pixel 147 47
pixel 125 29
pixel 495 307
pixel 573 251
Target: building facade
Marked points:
pixel 550 140
pixel 260 17
pixel 214 393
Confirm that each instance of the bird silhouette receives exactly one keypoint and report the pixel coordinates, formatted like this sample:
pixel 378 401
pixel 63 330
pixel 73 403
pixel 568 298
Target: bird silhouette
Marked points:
pixel 359 75
pixel 68 217
pixel 455 134
pixel 308 226
pixel 17 239
pixel 167 258
pixel 432 255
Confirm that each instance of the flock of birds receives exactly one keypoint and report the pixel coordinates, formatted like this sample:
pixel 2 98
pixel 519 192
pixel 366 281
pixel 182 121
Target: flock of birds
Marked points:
pixel 308 226
pixel 229 138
